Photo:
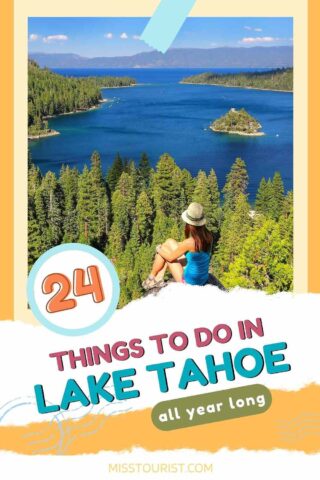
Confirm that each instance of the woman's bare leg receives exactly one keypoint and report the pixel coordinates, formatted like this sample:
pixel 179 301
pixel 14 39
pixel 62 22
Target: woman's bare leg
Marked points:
pixel 157 273
pixel 158 266
pixel 161 274
pixel 175 268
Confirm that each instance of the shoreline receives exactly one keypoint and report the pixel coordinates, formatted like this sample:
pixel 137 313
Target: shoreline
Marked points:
pixel 50 133
pixel 234 132
pixel 237 86
pixel 94 107
pixel 121 86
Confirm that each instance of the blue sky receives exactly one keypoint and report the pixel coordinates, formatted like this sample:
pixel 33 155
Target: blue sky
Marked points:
pixel 93 37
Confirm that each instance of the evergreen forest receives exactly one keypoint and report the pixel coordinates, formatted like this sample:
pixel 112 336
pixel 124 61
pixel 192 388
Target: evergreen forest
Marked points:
pixel 279 79
pixel 134 207
pixel 51 94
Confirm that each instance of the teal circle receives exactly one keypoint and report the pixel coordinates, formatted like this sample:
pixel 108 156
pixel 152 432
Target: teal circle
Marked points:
pixel 65 248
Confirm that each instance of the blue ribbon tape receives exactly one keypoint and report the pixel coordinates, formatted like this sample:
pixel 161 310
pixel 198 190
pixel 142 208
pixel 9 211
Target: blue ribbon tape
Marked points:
pixel 165 23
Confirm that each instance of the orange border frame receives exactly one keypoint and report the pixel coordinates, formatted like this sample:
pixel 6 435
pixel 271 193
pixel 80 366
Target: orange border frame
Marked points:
pixel 6 155
pixel 314 150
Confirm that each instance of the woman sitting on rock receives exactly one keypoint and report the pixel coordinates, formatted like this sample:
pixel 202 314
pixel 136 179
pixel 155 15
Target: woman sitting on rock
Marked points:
pixel 187 261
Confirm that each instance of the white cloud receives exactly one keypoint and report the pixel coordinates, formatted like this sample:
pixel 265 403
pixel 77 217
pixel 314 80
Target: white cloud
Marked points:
pixel 259 39
pixel 55 38
pixel 33 37
pixel 124 36
pixel 108 35
pixel 253 28
pixel 136 37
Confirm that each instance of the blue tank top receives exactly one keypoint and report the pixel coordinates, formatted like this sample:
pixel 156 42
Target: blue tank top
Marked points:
pixel 197 270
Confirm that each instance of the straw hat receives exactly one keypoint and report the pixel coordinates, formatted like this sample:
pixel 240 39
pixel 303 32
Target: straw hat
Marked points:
pixel 194 215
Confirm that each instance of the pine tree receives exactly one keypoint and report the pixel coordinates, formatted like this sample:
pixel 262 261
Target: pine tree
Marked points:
pixel 127 269
pixel 133 172
pixel 206 192
pixel 278 195
pixel 187 187
pixel 126 186
pixel 234 231
pixel 121 216
pixel 286 222
pixel 115 172
pixel 214 190
pixel 264 203
pixel 40 214
pixel 115 245
pixel 166 189
pixel 216 211
pixel 123 211
pixel 261 196
pixel 287 207
pixel 84 207
pixel 269 207
pixel 34 178
pixel 236 184
pixel 53 198
pixel 100 210
pixel 270 197
pixel 202 195
pixel 69 183
pixel 144 218
pixel 144 171
pixel 35 244
pixel 93 206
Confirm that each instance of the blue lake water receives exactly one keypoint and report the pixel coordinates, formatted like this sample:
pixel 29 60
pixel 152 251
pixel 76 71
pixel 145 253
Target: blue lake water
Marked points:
pixel 160 115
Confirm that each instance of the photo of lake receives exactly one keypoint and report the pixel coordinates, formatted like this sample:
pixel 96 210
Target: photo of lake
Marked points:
pixel 134 151
pixel 161 115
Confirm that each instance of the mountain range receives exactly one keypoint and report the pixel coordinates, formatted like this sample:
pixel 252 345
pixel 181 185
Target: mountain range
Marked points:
pixel 232 57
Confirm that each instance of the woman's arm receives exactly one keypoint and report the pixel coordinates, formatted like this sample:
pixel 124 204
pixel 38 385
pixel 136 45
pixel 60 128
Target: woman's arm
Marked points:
pixel 178 252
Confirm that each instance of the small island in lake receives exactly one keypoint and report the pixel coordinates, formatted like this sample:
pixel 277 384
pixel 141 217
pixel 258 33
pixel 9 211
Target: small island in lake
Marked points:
pixel 238 122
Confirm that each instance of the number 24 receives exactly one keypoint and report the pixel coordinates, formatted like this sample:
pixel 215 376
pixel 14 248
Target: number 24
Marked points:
pixel 59 302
